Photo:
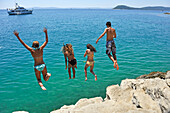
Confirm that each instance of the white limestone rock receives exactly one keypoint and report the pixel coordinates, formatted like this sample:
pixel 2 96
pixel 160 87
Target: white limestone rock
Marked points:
pixel 167 76
pixel 132 96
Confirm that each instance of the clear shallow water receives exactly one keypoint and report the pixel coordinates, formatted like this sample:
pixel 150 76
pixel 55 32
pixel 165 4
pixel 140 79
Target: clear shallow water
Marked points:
pixel 143 46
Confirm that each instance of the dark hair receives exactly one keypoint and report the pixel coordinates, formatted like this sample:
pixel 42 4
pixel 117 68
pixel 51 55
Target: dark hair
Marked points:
pixel 89 46
pixel 36 45
pixel 108 24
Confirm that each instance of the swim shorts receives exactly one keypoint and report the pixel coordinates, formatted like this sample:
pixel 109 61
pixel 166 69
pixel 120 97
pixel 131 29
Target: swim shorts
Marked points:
pixel 110 47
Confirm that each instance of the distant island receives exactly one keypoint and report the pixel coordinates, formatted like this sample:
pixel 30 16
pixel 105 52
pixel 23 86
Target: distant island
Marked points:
pixel 143 8
pixel 167 13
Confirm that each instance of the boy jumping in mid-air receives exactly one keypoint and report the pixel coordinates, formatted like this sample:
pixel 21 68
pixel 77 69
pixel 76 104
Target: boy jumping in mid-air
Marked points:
pixel 37 54
pixel 110 44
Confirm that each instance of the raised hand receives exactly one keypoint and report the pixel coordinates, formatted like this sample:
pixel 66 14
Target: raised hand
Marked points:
pixel 97 41
pixel 45 30
pixel 16 33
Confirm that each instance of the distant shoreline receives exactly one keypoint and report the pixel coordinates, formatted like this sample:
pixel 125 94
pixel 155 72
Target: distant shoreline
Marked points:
pixel 88 9
pixel 124 7
pixel 59 8
pixel 167 13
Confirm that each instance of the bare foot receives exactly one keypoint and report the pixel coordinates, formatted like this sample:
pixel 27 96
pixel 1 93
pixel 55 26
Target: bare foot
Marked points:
pixel 95 77
pixel 85 78
pixel 41 85
pixel 73 77
pixel 48 76
pixel 43 88
pixel 117 66
pixel 114 64
pixel 69 77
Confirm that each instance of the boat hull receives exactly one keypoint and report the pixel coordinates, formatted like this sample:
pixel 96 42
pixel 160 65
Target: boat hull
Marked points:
pixel 20 13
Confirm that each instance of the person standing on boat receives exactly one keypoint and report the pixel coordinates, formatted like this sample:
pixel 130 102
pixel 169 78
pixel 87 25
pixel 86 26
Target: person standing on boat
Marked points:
pixel 37 54
pixel 110 44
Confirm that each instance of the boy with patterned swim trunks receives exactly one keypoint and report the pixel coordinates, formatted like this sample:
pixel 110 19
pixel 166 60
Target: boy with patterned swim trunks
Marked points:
pixel 110 44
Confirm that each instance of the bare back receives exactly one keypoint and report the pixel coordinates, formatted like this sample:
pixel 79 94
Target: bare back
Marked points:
pixel 38 56
pixel 110 33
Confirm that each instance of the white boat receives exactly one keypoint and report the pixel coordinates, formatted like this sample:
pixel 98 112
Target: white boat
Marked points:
pixel 19 10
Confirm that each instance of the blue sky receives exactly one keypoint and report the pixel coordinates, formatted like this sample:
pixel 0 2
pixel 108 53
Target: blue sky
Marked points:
pixel 82 3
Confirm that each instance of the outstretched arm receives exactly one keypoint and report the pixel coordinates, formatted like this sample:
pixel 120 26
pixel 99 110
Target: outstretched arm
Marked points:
pixel 25 45
pixel 45 43
pixel 114 34
pixel 101 35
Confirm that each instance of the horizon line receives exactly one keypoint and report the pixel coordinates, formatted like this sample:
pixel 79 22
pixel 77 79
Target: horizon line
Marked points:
pixel 85 7
pixel 61 8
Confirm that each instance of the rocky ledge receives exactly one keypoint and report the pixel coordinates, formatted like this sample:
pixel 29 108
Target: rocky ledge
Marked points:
pixel 146 94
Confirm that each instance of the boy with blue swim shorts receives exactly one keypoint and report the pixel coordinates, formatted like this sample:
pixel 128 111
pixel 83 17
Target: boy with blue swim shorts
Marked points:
pixel 37 54
pixel 110 44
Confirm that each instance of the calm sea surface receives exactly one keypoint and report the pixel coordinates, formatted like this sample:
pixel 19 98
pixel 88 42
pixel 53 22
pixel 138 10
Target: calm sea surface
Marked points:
pixel 143 46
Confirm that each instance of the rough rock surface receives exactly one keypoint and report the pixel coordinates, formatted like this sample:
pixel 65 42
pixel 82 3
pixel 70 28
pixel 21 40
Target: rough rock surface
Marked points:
pixel 155 75
pixel 132 96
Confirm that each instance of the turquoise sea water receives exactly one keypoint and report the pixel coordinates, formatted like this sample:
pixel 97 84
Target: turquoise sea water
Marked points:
pixel 143 46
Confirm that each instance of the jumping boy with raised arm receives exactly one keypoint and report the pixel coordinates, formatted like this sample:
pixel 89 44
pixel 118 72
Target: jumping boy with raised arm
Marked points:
pixel 110 44
pixel 37 54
